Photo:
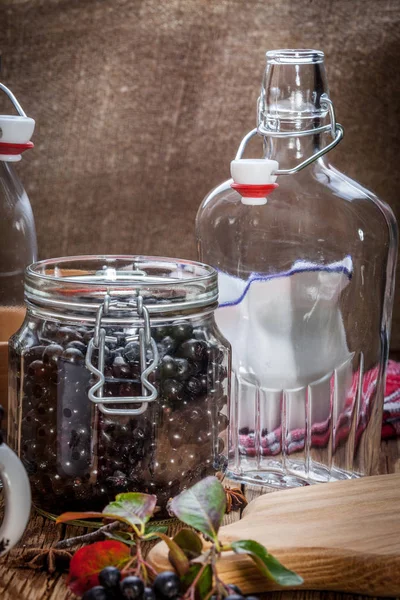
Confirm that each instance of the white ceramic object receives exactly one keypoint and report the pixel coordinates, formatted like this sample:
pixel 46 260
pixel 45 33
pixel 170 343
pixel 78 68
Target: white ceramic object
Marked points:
pixel 15 129
pixel 254 171
pixel 17 499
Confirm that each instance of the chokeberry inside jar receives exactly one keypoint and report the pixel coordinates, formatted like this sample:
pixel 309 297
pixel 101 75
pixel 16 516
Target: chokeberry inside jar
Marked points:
pixel 119 379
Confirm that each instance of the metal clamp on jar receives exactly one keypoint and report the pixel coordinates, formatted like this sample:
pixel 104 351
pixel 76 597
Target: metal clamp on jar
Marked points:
pixel 119 379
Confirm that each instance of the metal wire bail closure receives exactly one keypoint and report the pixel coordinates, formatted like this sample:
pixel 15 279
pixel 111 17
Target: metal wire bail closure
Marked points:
pixel 146 342
pixel 336 130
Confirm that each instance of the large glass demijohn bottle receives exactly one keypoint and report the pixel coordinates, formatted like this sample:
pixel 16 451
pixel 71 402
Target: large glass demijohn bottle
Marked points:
pixel 306 260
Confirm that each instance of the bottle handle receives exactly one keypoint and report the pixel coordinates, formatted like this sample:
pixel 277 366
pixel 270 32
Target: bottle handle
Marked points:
pixel 17 498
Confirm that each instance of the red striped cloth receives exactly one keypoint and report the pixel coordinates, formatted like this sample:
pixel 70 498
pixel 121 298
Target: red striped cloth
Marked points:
pixel 270 443
pixel 391 407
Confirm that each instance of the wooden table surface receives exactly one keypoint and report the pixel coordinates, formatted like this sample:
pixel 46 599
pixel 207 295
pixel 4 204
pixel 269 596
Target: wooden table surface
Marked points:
pixel 27 584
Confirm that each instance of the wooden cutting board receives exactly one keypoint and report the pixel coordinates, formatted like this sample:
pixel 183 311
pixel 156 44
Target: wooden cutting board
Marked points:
pixel 342 536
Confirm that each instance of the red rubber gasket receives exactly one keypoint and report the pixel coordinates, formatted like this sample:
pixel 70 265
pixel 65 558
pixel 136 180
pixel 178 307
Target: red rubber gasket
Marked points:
pixel 254 191
pixel 14 149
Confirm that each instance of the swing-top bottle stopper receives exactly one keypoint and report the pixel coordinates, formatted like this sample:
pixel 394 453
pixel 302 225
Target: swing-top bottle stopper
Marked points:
pixel 15 131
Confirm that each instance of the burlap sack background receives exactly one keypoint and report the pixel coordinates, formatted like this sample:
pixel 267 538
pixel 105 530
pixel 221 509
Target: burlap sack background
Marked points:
pixel 140 106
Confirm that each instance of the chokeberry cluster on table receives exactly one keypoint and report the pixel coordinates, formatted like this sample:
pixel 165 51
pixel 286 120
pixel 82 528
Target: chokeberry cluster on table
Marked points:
pixel 166 586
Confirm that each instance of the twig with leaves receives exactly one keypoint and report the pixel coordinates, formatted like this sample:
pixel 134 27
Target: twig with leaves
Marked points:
pixel 89 538
pixel 201 507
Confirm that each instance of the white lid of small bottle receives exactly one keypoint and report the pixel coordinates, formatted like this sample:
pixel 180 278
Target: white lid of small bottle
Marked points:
pixel 254 172
pixel 15 134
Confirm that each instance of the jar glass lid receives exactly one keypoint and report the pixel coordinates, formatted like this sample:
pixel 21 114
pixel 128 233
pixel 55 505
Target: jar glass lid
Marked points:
pixel 79 284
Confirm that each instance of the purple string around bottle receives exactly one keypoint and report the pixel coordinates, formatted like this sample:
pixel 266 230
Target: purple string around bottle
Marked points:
pixel 344 266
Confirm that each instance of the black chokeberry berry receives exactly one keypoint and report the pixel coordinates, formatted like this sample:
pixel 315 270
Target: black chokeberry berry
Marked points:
pixel 38 370
pixel 184 369
pixel 72 355
pixel 166 346
pixel 132 588
pixel 68 334
pixel 87 336
pixel 216 354
pixel 173 390
pixel 160 332
pixel 148 594
pixel 51 354
pixel 120 368
pixel 110 577
pixel 169 368
pixel 132 352
pixel 78 345
pixel 193 386
pixel 98 592
pixel 166 585
pixel 181 330
pixel 195 350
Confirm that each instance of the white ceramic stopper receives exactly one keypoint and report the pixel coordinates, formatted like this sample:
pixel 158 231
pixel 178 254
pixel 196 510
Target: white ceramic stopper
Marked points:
pixel 254 171
pixel 15 130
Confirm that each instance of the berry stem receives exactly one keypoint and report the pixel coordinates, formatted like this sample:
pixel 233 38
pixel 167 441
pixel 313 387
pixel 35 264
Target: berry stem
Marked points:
pixel 150 568
pixel 143 568
pixel 129 564
pixel 221 588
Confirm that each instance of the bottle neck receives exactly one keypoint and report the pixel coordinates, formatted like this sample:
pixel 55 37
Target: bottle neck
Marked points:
pixel 289 151
pixel 11 188
pixel 291 102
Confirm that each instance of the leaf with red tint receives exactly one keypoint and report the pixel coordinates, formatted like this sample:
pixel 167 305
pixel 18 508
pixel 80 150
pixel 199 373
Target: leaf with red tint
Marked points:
pixel 88 561
pixel 76 516
pixel 133 508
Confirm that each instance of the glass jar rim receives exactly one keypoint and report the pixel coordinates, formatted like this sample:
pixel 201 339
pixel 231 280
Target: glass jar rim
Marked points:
pixel 294 56
pixel 79 284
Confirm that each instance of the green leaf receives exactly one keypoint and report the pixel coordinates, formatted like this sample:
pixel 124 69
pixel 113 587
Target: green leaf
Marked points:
pixel 190 543
pixel 281 574
pixel 202 506
pixel 205 582
pixel 266 563
pixel 133 508
pixel 176 555
pixel 154 529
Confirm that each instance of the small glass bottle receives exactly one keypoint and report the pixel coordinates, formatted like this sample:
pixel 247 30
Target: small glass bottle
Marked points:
pixel 306 277
pixel 18 247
